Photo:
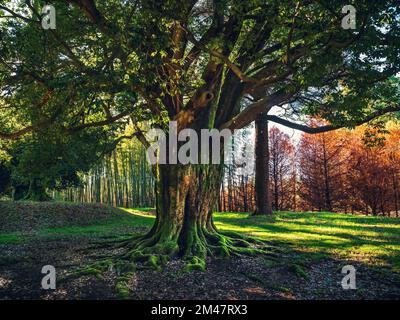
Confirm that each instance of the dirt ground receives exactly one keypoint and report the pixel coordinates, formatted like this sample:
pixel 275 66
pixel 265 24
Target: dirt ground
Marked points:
pixel 235 278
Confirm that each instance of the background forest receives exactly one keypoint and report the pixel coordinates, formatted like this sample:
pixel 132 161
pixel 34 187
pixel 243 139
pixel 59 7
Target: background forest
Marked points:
pixel 349 171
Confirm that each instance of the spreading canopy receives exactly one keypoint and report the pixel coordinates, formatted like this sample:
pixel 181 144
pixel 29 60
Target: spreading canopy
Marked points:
pixel 207 63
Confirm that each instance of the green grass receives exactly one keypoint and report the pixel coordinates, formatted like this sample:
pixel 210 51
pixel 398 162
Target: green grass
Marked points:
pixel 112 226
pixel 371 240
pixel 7 238
pixel 28 221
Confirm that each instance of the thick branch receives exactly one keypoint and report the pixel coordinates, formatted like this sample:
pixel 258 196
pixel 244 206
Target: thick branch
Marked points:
pixel 94 15
pixel 249 114
pixel 321 129
pixel 17 15
pixel 19 133
pixel 101 123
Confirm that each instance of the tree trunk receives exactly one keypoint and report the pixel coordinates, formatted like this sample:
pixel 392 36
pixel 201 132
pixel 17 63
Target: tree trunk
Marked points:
pixel 36 192
pixel 327 190
pixel 186 196
pixel 263 199
pixel 19 192
pixel 396 196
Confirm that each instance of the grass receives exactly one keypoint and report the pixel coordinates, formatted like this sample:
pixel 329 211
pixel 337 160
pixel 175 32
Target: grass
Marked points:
pixel 28 221
pixel 371 240
pixel 7 238
pixel 110 227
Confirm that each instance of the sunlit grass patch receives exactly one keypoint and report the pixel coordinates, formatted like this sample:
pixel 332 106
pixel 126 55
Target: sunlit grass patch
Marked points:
pixel 124 223
pixel 373 240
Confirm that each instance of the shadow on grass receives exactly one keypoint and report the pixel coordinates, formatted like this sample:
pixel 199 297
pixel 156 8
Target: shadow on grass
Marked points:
pixel 35 224
pixel 329 233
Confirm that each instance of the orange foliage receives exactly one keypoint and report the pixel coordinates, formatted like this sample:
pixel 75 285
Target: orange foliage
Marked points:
pixel 357 170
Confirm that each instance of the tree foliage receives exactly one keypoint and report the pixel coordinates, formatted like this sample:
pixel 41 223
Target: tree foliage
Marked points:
pixel 108 59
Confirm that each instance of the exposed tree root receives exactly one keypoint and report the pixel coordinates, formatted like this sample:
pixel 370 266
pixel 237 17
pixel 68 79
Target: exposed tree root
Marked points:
pixel 153 251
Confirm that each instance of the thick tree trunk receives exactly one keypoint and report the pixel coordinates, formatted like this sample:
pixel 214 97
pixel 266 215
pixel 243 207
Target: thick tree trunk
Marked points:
pixel 19 192
pixel 263 198
pixel 186 197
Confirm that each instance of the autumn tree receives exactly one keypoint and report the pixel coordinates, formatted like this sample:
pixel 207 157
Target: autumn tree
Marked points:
pixel 373 173
pixel 281 167
pixel 322 160
pixel 204 64
pixel 369 178
pixel 393 159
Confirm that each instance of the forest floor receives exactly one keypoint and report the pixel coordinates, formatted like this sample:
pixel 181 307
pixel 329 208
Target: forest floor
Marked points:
pixel 313 249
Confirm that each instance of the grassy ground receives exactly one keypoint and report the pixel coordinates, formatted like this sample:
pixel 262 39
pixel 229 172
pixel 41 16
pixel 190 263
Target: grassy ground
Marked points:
pixel 373 240
pixel 311 243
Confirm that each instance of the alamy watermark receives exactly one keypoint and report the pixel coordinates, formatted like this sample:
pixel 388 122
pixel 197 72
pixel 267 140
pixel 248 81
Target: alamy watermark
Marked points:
pixel 48 17
pixel 349 20
pixel 349 280
pixel 192 147
pixel 49 280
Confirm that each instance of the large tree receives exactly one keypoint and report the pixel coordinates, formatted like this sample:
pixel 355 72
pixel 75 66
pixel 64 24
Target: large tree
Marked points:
pixel 205 64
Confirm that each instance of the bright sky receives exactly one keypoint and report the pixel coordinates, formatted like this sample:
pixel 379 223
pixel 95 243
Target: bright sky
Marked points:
pixel 293 134
pixel 248 143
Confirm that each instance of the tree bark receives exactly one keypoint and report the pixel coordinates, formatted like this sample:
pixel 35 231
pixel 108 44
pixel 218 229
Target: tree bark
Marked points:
pixel 396 195
pixel 263 198
pixel 186 196
pixel 327 191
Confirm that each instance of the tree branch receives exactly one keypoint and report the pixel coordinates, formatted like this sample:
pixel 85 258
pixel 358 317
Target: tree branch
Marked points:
pixel 316 130
pixel 109 120
pixel 263 105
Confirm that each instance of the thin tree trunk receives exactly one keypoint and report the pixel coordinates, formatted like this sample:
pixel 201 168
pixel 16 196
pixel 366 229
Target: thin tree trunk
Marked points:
pixel 328 202
pixel 396 195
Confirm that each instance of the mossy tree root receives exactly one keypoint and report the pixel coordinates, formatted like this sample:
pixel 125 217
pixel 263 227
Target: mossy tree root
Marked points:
pixel 154 250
